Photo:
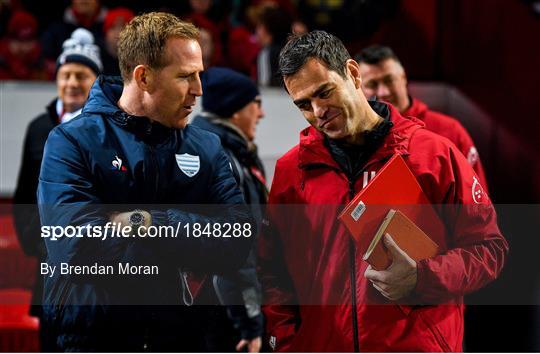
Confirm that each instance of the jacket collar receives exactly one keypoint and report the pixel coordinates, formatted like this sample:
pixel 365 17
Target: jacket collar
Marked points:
pixel 230 136
pixel 103 99
pixel 313 151
pixel 417 109
pixel 104 95
pixel 51 110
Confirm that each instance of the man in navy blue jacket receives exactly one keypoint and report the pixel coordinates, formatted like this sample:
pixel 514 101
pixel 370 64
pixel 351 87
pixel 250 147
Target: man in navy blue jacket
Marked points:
pixel 131 148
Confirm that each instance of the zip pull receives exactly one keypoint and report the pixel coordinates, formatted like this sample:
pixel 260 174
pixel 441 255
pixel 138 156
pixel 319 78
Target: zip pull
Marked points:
pixel 187 296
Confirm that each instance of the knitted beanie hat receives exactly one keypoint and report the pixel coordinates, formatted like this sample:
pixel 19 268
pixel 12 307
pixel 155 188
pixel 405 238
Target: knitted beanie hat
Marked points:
pixel 80 48
pixel 226 91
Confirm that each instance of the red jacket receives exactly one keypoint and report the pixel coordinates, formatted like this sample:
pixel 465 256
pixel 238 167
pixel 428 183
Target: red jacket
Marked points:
pixel 452 129
pixel 310 268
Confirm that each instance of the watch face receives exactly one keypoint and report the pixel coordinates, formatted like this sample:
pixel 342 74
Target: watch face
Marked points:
pixel 136 218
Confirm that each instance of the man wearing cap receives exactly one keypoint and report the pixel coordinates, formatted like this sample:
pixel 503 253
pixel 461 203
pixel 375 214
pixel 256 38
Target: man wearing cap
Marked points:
pixel 231 109
pixel 77 69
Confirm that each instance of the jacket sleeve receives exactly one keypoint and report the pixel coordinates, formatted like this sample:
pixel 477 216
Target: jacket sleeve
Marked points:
pixel 476 248
pixel 241 294
pixel 280 304
pixel 212 254
pixel 466 146
pixel 67 195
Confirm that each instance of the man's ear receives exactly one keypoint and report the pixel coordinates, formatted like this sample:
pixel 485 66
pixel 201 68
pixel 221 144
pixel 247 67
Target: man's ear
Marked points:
pixel 234 118
pixel 144 77
pixel 353 69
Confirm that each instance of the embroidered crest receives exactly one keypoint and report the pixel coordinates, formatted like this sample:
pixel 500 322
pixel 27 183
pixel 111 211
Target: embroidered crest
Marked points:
pixel 478 194
pixel 188 164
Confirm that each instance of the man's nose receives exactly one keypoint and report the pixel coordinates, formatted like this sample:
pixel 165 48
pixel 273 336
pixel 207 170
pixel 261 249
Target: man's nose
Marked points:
pixel 196 87
pixel 382 91
pixel 319 110
pixel 72 80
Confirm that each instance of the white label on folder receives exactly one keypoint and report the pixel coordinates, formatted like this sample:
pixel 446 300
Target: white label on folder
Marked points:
pixel 358 211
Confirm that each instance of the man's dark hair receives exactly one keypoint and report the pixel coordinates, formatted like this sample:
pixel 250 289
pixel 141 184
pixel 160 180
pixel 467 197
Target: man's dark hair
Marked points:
pixel 318 45
pixel 376 54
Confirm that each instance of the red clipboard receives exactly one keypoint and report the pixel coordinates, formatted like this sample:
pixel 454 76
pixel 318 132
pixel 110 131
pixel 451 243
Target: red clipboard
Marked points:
pixel 393 187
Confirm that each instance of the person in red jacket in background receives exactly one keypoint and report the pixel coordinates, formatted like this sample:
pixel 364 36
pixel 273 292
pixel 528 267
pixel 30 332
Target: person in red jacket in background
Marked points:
pixel 115 20
pixel 20 51
pixel 384 77
pixel 319 295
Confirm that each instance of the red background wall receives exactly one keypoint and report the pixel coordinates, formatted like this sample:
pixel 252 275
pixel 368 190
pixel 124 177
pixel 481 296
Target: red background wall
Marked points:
pixel 490 49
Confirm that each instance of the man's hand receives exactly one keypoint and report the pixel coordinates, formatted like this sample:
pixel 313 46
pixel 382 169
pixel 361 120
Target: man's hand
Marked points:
pixel 399 279
pixel 253 345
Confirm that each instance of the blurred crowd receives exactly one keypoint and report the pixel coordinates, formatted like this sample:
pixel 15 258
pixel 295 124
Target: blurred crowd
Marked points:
pixel 73 41
pixel 245 35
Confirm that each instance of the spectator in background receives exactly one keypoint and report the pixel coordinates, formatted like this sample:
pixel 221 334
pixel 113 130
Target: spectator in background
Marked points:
pixel 20 51
pixel 384 77
pixel 200 7
pixel 115 20
pixel 242 50
pixel 346 19
pixel 82 13
pixel 77 68
pixel 209 40
pixel 208 14
pixel 5 13
pixel 206 41
pixel 272 28
pixel 243 46
pixel 231 105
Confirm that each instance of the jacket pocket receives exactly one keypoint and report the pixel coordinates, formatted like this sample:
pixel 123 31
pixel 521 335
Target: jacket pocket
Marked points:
pixel 435 332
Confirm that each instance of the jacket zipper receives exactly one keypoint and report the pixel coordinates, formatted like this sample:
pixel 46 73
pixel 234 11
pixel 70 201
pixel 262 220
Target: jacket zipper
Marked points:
pixel 352 260
pixel 352 250
pixel 156 165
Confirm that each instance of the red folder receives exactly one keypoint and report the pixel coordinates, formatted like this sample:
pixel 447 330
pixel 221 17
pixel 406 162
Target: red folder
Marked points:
pixel 393 187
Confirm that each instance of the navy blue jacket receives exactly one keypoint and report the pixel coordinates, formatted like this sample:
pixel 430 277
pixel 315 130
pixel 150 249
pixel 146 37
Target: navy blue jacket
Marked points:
pixel 107 160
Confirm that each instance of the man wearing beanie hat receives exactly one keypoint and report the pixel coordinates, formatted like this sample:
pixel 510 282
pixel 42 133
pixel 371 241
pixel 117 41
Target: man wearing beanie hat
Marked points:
pixel 231 109
pixel 230 95
pixel 77 69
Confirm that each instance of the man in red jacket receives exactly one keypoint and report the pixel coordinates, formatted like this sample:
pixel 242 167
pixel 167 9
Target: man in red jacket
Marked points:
pixel 384 77
pixel 319 294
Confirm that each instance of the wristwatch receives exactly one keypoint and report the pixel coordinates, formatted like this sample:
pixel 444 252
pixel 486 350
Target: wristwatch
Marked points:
pixel 136 219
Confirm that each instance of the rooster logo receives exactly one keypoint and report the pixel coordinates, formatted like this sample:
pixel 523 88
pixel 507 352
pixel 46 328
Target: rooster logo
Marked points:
pixel 117 164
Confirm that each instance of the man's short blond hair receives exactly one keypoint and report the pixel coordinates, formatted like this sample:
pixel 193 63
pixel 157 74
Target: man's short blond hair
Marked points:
pixel 143 40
